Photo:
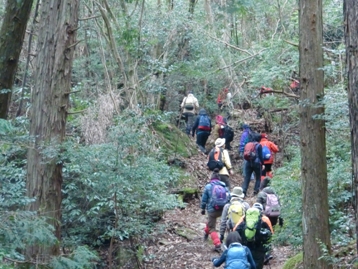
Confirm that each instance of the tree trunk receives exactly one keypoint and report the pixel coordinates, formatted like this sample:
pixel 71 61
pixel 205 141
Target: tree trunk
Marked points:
pixel 315 222
pixel 50 101
pixel 12 34
pixel 350 8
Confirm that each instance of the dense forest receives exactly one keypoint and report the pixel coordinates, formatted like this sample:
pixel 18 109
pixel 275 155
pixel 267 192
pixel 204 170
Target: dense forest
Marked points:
pixel 96 169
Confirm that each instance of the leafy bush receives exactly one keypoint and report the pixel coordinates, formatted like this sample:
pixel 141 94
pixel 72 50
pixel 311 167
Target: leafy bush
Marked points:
pixel 115 189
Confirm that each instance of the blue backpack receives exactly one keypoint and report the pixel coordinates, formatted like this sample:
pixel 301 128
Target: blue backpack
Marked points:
pixel 219 196
pixel 266 153
pixel 204 123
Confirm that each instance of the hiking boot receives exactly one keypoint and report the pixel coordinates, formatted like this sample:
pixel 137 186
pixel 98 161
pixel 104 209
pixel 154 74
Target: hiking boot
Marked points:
pixel 206 236
pixel 267 259
pixel 217 248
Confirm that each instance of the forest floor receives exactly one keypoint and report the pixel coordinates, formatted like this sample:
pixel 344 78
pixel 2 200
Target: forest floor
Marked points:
pixel 172 249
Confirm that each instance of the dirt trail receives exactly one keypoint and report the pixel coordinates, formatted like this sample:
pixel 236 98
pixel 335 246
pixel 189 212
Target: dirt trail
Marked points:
pixel 172 250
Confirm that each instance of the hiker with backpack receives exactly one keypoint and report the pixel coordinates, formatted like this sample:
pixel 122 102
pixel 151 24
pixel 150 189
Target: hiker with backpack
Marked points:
pixel 202 128
pixel 236 255
pixel 228 135
pixel 256 232
pixel 270 202
pixel 269 149
pixel 233 211
pixel 246 136
pixel 214 198
pixel 218 131
pixel 254 163
pixel 223 130
pixel 189 107
pixel 220 157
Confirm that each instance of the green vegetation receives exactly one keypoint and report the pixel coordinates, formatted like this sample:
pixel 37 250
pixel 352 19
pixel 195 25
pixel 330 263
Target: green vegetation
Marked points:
pixel 123 155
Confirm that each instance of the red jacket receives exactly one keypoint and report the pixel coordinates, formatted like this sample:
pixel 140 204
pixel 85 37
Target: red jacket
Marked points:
pixel 272 147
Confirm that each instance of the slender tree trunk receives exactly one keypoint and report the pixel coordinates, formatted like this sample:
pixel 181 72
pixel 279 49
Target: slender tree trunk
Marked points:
pixel 12 34
pixel 24 79
pixel 350 8
pixel 50 101
pixel 312 131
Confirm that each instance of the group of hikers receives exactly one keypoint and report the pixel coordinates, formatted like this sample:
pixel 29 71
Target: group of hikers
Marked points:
pixel 249 228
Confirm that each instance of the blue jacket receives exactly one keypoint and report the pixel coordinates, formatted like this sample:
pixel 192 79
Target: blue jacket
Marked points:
pixel 236 256
pixel 244 138
pixel 202 112
pixel 206 197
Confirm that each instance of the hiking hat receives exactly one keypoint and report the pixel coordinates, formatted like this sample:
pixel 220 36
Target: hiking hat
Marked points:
pixel 220 142
pixel 258 206
pixel 263 135
pixel 237 192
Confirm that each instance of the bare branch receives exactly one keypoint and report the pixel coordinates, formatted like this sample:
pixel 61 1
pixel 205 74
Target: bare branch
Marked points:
pixel 75 44
pixel 231 46
pixel 291 43
pixel 89 18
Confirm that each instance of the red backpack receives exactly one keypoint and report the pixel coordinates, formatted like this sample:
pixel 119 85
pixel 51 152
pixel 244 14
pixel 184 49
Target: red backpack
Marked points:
pixel 250 153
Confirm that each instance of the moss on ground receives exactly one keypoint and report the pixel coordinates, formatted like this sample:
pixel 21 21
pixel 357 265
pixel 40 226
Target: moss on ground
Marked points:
pixel 174 140
pixel 293 262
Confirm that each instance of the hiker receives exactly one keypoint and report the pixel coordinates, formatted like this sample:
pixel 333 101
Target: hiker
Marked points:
pixel 190 105
pixel 218 131
pixel 268 194
pixel 254 163
pixel 202 127
pixel 273 148
pixel 222 97
pixel 233 211
pixel 236 256
pixel 228 135
pixel 246 137
pixel 213 200
pixel 226 170
pixel 256 231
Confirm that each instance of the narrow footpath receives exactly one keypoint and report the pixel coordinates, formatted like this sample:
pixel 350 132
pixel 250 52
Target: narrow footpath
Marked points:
pixel 182 245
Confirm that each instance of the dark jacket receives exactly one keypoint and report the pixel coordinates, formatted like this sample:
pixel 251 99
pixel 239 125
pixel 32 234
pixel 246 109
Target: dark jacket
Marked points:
pixel 202 113
pixel 262 196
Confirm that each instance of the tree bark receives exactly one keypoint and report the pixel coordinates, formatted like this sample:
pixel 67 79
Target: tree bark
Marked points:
pixel 350 8
pixel 315 222
pixel 12 34
pixel 50 101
